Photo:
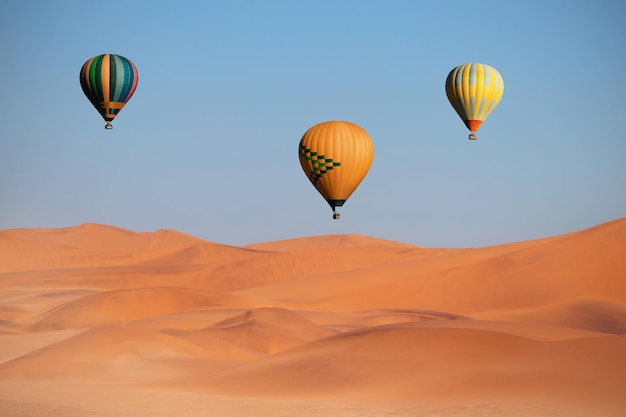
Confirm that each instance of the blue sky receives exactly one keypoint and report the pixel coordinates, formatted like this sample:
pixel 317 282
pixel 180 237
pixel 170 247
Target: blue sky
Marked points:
pixel 208 143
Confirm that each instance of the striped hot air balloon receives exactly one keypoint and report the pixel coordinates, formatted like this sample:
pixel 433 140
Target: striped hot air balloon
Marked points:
pixel 108 81
pixel 474 90
pixel 335 157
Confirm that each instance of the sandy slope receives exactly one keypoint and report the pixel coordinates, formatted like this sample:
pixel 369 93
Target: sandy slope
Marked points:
pixel 100 321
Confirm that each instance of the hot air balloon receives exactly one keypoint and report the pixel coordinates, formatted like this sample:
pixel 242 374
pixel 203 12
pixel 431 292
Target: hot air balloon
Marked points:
pixel 108 81
pixel 335 157
pixel 474 90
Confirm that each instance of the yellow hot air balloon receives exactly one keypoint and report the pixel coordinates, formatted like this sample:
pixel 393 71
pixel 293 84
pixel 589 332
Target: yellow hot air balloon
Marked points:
pixel 336 156
pixel 474 90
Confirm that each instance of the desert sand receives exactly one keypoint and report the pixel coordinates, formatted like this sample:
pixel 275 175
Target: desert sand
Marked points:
pixel 98 321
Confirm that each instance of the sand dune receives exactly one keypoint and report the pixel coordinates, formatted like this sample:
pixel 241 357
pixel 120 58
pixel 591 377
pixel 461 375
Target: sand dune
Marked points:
pixel 591 314
pixel 119 307
pixel 93 245
pixel 325 325
pixel 435 361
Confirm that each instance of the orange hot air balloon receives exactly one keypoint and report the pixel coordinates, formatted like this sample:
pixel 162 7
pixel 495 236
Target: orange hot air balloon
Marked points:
pixel 335 157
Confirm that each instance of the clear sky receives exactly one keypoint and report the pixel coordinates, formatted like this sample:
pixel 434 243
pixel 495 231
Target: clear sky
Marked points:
pixel 208 143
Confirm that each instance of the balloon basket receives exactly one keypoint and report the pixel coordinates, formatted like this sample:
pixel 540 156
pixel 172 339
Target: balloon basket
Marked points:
pixel 108 126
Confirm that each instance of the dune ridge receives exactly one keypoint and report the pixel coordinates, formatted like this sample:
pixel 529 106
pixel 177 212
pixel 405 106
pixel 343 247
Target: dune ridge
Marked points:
pixel 340 323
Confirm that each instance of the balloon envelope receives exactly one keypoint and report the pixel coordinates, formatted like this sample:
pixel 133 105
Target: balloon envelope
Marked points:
pixel 108 81
pixel 474 90
pixel 336 156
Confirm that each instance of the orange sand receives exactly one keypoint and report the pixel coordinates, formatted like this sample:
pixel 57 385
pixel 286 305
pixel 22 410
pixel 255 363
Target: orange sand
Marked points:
pixel 97 321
